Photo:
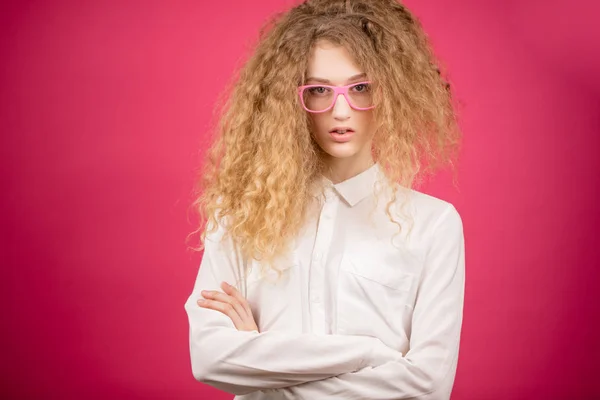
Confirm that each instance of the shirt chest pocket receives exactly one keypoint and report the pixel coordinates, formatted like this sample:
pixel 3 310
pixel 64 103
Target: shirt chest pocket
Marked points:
pixel 391 278
pixel 375 297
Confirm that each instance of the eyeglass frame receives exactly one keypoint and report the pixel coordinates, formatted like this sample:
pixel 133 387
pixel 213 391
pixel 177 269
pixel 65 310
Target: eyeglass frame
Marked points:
pixel 337 90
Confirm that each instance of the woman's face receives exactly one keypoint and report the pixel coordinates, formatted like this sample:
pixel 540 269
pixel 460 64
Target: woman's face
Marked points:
pixel 332 65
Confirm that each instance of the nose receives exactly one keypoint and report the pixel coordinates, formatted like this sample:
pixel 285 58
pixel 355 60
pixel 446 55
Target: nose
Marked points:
pixel 341 108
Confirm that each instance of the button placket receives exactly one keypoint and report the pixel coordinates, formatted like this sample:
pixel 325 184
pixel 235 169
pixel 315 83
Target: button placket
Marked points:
pixel 323 238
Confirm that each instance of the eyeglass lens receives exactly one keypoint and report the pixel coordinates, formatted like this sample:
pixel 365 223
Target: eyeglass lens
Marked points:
pixel 320 98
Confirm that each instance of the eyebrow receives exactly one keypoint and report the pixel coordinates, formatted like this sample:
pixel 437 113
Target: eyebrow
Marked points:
pixel 352 78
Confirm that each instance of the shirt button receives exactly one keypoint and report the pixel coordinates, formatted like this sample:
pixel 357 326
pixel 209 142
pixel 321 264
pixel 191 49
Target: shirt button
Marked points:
pixel 317 256
pixel 315 298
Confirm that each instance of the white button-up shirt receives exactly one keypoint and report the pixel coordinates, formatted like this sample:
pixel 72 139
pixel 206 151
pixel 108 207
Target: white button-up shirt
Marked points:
pixel 360 311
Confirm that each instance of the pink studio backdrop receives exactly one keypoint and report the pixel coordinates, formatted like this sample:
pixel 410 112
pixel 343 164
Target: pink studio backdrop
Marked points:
pixel 103 106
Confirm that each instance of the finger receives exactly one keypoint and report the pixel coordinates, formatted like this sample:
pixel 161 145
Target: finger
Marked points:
pixel 225 298
pixel 224 308
pixel 232 291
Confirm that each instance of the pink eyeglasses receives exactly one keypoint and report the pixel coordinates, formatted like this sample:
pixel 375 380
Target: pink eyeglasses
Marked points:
pixel 321 98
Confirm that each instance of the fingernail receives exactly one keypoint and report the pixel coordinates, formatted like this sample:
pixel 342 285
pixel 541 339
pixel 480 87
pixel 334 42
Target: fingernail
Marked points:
pixel 201 301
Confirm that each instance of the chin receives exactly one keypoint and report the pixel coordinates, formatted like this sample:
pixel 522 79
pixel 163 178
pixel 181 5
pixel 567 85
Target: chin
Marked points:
pixel 341 150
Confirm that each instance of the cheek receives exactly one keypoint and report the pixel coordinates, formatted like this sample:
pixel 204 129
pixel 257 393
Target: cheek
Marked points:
pixel 318 125
pixel 366 122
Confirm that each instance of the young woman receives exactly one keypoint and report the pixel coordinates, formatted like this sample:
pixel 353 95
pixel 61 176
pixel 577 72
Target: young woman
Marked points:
pixel 324 275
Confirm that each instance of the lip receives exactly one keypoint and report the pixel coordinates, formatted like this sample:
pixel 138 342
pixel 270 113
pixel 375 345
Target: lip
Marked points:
pixel 335 128
pixel 341 138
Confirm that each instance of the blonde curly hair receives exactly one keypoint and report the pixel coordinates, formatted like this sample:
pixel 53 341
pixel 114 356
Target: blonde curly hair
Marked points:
pixel 259 169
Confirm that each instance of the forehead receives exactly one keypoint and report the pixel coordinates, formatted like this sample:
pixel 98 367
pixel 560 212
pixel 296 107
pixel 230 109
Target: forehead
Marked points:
pixel 332 62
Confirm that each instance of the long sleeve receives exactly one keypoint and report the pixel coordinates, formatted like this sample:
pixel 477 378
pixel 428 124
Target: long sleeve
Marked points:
pixel 428 369
pixel 241 362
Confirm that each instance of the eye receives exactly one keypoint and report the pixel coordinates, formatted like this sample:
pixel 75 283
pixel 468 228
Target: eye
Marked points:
pixel 319 90
pixel 361 87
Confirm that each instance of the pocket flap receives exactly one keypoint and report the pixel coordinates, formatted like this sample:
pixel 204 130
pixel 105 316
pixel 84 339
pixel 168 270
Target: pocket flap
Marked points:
pixel 386 275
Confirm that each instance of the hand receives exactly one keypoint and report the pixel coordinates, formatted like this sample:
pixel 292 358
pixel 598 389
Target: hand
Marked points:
pixel 232 304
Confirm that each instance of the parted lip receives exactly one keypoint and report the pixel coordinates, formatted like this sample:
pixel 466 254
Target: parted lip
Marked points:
pixel 338 128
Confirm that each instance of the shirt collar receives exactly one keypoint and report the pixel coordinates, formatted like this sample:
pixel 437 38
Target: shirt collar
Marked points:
pixel 354 189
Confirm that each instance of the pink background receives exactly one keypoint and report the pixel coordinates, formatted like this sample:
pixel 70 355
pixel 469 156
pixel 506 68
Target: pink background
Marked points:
pixel 102 109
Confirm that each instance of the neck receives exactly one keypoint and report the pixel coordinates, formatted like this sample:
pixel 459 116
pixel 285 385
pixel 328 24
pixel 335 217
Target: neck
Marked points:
pixel 340 169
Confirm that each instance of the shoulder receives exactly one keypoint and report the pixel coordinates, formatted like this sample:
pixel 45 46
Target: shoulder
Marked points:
pixel 428 213
pixel 428 204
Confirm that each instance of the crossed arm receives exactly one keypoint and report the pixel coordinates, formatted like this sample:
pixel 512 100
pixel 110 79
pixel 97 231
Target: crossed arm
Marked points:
pixel 341 366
